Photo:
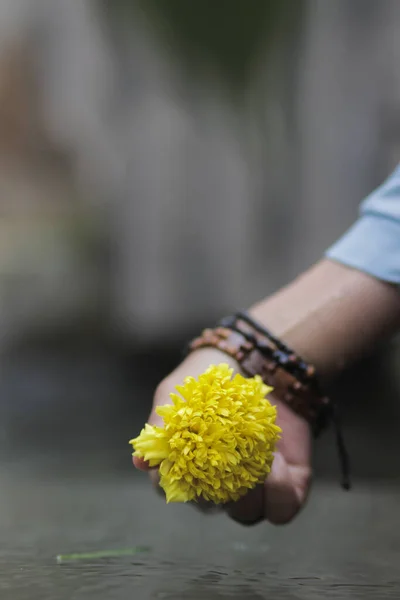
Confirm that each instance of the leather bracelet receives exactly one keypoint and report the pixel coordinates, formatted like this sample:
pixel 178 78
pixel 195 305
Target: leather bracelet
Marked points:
pixel 300 397
pixel 265 340
pixel 258 352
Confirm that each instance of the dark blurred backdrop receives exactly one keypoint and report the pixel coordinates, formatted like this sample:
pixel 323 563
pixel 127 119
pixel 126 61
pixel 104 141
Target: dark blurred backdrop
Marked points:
pixel 162 163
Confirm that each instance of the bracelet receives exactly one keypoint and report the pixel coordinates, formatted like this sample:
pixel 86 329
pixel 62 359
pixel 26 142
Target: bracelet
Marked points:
pixel 295 382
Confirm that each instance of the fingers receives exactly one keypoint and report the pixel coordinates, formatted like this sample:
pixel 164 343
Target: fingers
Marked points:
pixel 249 510
pixel 278 500
pixel 205 507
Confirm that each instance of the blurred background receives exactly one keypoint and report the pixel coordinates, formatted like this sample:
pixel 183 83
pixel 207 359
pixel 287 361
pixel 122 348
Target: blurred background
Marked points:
pixel 162 164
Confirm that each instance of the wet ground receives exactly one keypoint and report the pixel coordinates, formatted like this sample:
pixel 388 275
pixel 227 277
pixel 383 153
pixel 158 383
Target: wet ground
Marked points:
pixel 67 486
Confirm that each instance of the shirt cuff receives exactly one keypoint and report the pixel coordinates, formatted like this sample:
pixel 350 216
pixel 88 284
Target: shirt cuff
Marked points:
pixel 371 245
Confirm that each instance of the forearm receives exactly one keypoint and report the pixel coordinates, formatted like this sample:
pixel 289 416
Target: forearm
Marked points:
pixel 332 315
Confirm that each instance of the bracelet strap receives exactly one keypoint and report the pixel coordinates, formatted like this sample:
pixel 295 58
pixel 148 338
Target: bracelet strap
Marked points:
pixel 258 352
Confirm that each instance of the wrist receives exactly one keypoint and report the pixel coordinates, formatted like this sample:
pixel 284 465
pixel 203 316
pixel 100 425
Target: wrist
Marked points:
pixel 330 315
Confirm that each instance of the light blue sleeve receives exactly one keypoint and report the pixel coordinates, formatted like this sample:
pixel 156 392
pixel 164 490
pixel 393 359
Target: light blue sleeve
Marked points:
pixel 372 244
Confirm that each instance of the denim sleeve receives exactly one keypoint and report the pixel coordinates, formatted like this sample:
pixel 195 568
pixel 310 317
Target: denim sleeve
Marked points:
pixel 372 244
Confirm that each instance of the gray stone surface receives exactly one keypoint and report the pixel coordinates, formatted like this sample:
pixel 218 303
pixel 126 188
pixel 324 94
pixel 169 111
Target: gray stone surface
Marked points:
pixel 342 546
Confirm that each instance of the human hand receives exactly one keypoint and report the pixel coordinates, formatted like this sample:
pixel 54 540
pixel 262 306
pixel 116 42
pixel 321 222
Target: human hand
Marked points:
pixel 285 490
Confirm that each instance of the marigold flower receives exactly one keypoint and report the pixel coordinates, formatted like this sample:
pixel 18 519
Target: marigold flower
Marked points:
pixel 218 438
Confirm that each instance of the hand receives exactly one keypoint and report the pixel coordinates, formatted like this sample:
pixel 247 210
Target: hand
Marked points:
pixel 285 491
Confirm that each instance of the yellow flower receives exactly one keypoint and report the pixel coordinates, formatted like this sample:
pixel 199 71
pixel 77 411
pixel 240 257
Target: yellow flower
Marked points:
pixel 218 438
